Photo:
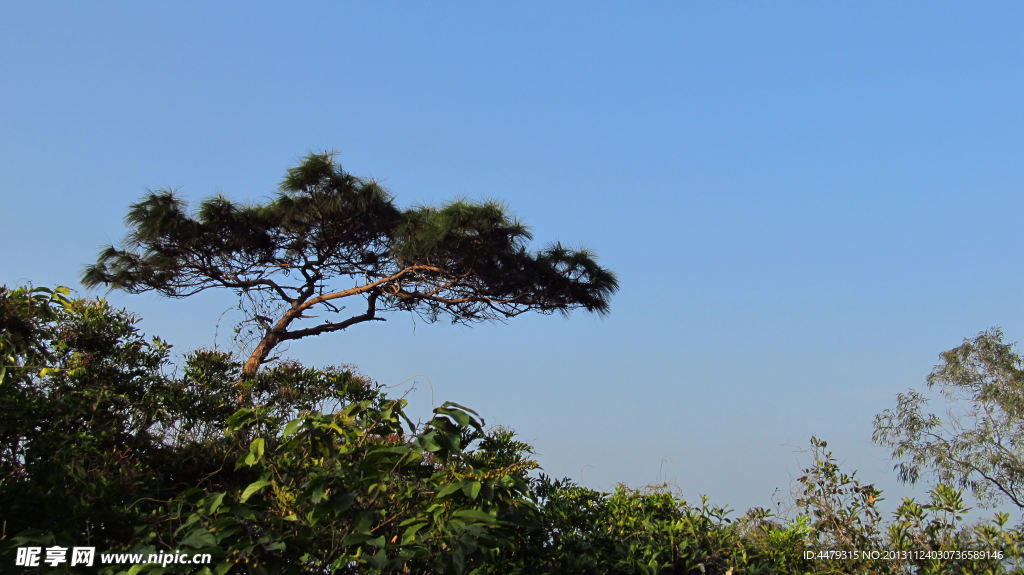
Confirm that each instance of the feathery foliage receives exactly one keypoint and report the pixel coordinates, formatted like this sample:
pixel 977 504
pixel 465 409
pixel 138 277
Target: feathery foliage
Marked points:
pixel 328 236
pixel 979 443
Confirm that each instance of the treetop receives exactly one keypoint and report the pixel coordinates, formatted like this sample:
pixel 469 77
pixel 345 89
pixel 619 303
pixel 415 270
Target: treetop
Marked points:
pixel 328 235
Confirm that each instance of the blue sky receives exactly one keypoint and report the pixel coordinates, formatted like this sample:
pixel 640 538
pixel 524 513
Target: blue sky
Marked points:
pixel 805 202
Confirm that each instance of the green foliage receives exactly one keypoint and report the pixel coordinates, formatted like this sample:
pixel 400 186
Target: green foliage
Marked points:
pixel 20 312
pixel 323 472
pixel 931 538
pixel 627 531
pixel 104 445
pixel 843 513
pixel 978 442
pixel 350 492
pixel 81 408
pixel 837 528
pixel 328 236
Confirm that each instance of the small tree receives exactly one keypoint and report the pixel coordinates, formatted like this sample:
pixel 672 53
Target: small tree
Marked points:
pixel 101 446
pixel 329 236
pixel 979 442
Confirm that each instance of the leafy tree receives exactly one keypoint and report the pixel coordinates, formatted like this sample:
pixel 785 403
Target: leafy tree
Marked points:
pixel 328 237
pixel 102 445
pixel 978 442
pixel 78 413
pixel 840 523
pixel 95 433
pixel 841 512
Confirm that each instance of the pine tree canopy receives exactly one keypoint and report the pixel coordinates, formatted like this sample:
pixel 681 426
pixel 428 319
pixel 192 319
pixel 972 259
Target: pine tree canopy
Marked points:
pixel 327 236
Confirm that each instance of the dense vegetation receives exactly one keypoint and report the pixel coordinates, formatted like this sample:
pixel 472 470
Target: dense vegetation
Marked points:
pixel 275 467
pixel 105 443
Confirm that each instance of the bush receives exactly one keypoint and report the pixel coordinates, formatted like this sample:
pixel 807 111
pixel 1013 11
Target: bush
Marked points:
pixel 104 444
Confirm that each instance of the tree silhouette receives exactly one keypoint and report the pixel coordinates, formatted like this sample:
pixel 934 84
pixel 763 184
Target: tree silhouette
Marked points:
pixel 329 238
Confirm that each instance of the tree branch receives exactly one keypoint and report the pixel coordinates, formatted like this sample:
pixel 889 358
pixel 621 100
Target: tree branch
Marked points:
pixel 370 286
pixel 371 310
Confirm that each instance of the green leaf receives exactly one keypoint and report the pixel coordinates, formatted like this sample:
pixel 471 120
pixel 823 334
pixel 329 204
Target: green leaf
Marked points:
pixel 343 501
pixel 275 546
pixel 363 523
pixel 255 451
pixel 388 450
pixel 459 406
pixel 355 539
pixel 475 515
pixel 429 442
pixel 471 489
pixel 200 537
pixel 410 532
pixel 253 488
pixel 213 501
pixel 448 490
pixel 291 428
pixel 239 419
pixel 460 416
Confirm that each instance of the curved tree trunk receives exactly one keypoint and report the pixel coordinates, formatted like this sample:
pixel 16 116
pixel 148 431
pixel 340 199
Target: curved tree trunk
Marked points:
pixel 279 332
pixel 259 355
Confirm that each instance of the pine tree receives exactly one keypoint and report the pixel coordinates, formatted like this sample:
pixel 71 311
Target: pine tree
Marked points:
pixel 329 237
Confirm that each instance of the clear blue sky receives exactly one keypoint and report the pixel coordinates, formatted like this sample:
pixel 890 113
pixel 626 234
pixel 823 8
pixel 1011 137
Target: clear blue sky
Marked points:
pixel 805 202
